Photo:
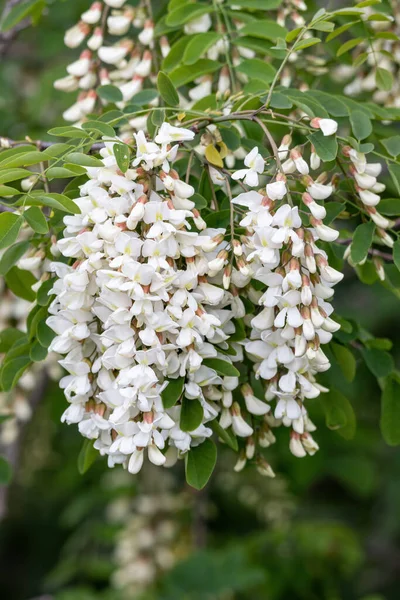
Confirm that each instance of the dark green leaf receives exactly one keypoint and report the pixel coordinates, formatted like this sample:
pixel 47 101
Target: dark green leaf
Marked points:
pixel 12 255
pixel 171 394
pixel 191 414
pixel 221 367
pixel 325 146
pixel 20 282
pixel 346 360
pixel 360 124
pixel 110 93
pixel 198 46
pixel 5 471
pixel 362 240
pixel 199 464
pixel 392 145
pixel 390 412
pixel 339 413
pixel 379 362
pixel 225 435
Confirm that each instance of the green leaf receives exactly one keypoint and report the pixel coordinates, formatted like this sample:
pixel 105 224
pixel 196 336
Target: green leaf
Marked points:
pixel 10 224
pixel 26 159
pixel 57 201
pixel 324 26
pixel 306 43
pixel 12 255
pixel 187 12
pixel 394 171
pixel 256 4
pixel 167 90
pixel 171 394
pixel 110 93
pixel 339 31
pixel 265 29
pixel 21 282
pixel 384 79
pixel 99 127
pixel 333 209
pixel 43 297
pixel 122 155
pixel 362 240
pixel 69 132
pixel 86 456
pixel 360 124
pixel 174 56
pixel 83 160
pixel 8 337
pixel 390 412
pixel 13 370
pixel 379 362
pixel 255 68
pixel 36 219
pixel 221 367
pixel 349 45
pixel 199 201
pixel 5 471
pixel 225 435
pixel 6 190
pixel 396 254
pixel 198 46
pixel 59 173
pixel 191 414
pixel 14 175
pixel 325 146
pixel 392 145
pixel 18 13
pixel 339 413
pixel 199 464
pixel 389 206
pixel 187 73
pixel 44 334
pixel 144 97
pixel 37 352
pixel 346 360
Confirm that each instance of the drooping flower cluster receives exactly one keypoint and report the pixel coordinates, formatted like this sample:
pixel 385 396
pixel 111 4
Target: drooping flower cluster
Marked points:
pixel 280 250
pixel 135 308
pixel 125 64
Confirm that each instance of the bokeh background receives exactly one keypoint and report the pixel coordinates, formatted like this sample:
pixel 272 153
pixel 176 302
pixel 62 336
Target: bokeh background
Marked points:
pixel 327 528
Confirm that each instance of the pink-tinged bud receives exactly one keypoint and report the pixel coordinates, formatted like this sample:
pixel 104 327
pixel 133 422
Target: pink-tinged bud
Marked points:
pixel 250 448
pixel 241 462
pixel 226 279
pixel 75 35
pixel 295 445
pixel 385 237
pixel 96 40
pixel 237 248
pixel 239 425
pixel 165 47
pixel 299 161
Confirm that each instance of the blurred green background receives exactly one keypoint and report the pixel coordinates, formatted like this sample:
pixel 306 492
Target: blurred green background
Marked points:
pixel 328 527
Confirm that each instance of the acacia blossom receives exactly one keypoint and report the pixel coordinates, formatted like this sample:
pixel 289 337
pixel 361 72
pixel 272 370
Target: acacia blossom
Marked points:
pixel 135 309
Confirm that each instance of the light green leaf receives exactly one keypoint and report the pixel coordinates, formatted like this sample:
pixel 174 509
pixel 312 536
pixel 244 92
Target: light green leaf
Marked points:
pixel 19 12
pixel 122 155
pixel 13 175
pixel 187 12
pixel 255 68
pixel 392 145
pixel 187 73
pixel 83 160
pixel 198 46
pixel 362 240
pixel 12 255
pixel 306 43
pixel 110 93
pixel 86 456
pixel 199 464
pixel 360 124
pixel 396 253
pixel 265 29
pixel 167 90
pixel 10 224
pixel 384 79
pixel 36 219
pixel 349 45
pixel 8 337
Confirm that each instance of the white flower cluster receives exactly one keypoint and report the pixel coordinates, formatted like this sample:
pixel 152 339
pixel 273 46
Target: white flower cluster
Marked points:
pixel 368 189
pixel 124 64
pixel 136 309
pixel 294 321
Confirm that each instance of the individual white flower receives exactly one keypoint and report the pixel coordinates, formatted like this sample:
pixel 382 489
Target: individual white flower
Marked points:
pixel 327 126
pixel 255 166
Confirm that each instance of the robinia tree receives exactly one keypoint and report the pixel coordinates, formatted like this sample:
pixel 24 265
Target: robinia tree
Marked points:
pixel 179 240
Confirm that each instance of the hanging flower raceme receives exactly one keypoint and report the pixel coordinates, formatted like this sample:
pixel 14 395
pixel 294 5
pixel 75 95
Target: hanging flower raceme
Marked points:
pixel 124 64
pixel 134 309
pixel 281 251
